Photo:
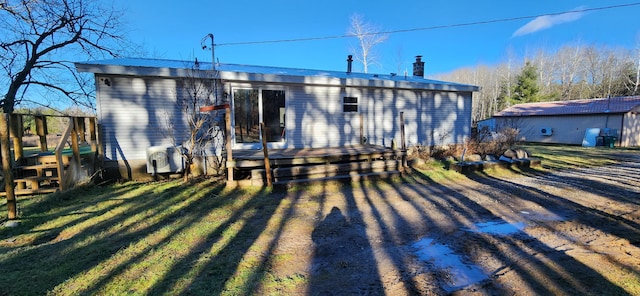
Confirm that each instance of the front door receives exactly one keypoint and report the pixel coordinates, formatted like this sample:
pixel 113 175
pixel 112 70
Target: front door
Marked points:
pixel 252 106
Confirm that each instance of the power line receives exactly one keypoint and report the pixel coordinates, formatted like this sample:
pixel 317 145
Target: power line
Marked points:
pixel 430 28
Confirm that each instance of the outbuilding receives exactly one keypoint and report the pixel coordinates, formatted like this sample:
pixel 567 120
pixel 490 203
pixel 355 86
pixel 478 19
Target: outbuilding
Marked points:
pixel 300 108
pixel 608 121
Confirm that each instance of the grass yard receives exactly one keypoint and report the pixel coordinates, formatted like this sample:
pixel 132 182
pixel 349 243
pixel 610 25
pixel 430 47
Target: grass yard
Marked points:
pixel 204 239
pixel 134 237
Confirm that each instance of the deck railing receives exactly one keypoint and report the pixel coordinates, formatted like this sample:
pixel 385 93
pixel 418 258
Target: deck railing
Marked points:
pixel 58 152
pixel 45 172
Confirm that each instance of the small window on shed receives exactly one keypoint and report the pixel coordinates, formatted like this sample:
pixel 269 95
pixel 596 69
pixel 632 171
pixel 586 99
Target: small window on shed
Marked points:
pixel 350 104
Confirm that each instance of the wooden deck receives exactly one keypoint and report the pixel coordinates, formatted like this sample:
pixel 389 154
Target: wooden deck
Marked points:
pixel 290 156
pixel 318 164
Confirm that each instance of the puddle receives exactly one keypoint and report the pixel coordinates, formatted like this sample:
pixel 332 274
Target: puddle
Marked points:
pixel 499 227
pixel 460 274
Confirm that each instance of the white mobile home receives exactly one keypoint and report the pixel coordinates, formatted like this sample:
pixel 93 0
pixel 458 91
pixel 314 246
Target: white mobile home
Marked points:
pixel 300 108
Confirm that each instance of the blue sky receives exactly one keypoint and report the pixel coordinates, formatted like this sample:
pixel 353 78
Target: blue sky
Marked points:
pixel 174 30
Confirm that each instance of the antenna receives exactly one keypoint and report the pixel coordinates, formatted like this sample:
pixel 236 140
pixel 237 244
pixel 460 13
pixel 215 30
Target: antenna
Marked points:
pixel 204 46
pixel 213 64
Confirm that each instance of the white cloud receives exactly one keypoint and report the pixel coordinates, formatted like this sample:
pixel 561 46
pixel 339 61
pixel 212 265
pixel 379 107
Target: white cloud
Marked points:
pixel 547 21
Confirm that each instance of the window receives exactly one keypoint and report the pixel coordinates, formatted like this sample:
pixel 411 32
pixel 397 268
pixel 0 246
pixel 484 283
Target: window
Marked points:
pixel 252 106
pixel 350 104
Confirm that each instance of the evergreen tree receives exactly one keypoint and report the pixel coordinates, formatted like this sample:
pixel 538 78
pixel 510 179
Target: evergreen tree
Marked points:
pixel 526 89
pixel 503 100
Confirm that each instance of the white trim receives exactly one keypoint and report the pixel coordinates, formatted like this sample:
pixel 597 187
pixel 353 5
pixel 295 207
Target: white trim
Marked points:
pixel 260 88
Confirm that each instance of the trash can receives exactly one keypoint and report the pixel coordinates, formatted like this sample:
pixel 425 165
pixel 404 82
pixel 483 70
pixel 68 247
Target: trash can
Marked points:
pixel 609 141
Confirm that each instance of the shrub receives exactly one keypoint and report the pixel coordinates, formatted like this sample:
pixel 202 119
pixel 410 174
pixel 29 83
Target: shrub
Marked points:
pixel 485 143
pixel 482 143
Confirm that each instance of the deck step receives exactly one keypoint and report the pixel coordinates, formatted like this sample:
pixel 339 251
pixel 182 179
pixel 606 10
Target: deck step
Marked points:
pixel 327 171
pixel 339 178
pixel 289 165
pixel 31 191
pixel 37 167
pixel 36 179
pixel 258 161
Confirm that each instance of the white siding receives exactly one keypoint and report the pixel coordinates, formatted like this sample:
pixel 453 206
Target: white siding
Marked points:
pixel 319 120
pixel 316 118
pixel 445 118
pixel 133 112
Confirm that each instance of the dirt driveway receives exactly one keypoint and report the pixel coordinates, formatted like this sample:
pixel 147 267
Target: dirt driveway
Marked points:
pixel 572 232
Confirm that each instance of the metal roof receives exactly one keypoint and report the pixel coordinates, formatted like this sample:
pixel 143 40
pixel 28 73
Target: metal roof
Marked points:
pixel 175 68
pixel 573 107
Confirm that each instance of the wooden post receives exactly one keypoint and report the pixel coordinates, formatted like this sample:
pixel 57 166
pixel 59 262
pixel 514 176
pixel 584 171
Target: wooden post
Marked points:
pixel 16 133
pixel 12 204
pixel 402 139
pixel 361 129
pixel 99 143
pixel 267 164
pixel 227 124
pixel 92 134
pixel 80 128
pixel 75 147
pixel 41 131
pixel 403 144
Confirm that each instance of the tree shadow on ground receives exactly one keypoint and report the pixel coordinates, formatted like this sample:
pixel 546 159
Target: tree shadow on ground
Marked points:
pixel 342 252
pixel 543 268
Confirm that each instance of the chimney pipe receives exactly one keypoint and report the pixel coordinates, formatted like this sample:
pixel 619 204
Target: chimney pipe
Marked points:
pixel 418 67
pixel 349 62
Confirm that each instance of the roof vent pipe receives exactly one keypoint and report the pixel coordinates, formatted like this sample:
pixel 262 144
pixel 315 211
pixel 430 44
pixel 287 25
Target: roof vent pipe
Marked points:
pixel 418 67
pixel 349 62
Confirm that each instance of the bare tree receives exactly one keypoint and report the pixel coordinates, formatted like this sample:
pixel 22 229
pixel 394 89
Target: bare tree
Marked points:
pixel 632 81
pixel 568 63
pixel 368 37
pixel 544 62
pixel 399 60
pixel 36 38
pixel 635 82
pixel 190 130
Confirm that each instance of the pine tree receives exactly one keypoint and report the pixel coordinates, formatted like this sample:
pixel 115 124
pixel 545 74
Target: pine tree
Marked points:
pixel 526 89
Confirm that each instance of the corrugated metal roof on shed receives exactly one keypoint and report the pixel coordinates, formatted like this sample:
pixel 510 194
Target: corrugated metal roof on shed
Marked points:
pixel 573 107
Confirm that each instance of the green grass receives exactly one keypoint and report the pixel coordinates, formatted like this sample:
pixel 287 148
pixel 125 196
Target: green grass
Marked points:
pixel 566 157
pixel 173 238
pixel 137 238
pixel 436 171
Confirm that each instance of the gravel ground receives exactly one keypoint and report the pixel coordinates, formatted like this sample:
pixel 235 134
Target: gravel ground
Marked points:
pixel 537 233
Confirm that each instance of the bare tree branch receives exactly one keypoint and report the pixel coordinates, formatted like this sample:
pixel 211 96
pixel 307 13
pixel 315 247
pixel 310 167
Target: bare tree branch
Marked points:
pixel 367 40
pixel 33 34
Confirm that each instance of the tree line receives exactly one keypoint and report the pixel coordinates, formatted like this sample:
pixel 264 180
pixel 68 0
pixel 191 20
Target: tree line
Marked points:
pixel 572 72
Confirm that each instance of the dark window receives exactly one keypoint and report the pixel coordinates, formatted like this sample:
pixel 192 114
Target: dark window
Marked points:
pixel 350 104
